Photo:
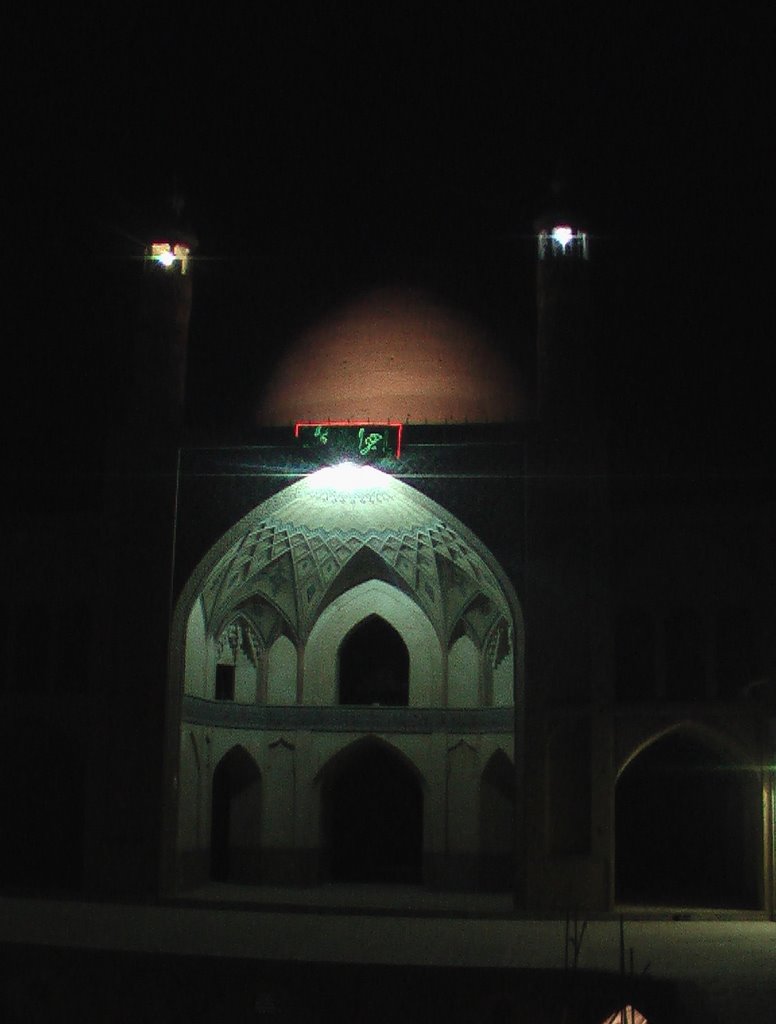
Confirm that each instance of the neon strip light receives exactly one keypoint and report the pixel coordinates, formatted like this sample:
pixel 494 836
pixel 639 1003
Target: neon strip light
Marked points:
pixel 353 423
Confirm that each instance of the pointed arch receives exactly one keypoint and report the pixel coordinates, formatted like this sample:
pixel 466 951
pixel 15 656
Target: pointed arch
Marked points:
pixel 282 671
pixel 476 619
pixel 497 822
pixel 388 514
pixel 372 815
pixel 463 673
pixel 688 824
pixel 725 747
pixel 262 615
pixel 374 597
pixel 352 748
pixel 365 564
pixel 289 552
pixel 235 833
pixel 373 665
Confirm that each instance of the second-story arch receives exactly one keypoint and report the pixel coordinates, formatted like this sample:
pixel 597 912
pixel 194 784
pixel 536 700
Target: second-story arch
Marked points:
pixel 373 665
pixel 401 618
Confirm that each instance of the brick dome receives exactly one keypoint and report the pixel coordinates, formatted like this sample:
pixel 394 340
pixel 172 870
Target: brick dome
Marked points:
pixel 393 354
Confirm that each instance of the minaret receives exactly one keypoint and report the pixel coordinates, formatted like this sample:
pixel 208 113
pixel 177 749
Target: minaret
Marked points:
pixel 565 588
pixel 156 403
pixel 140 524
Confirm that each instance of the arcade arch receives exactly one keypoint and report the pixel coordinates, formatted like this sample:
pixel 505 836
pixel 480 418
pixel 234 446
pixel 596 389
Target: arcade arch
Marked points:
pixel 372 815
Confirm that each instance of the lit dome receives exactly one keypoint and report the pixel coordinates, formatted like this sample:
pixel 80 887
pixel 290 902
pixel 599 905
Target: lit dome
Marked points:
pixel 393 355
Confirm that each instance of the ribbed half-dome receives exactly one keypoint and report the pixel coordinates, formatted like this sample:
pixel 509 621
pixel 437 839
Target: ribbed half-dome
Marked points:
pixel 393 355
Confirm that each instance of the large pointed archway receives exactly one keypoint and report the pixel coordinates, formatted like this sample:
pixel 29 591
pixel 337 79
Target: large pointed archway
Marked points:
pixel 367 585
pixel 497 823
pixel 688 826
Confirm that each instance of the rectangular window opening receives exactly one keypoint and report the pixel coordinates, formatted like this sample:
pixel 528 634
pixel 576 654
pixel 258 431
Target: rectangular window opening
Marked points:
pixel 224 682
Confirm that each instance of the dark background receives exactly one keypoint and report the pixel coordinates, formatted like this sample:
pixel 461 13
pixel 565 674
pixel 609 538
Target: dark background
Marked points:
pixel 323 150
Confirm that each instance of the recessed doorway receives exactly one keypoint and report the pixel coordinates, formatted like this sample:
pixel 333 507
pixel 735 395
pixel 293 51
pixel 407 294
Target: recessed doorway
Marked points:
pixel 373 817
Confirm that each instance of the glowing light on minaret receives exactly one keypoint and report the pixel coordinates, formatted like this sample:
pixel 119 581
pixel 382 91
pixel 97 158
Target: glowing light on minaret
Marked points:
pixel 562 240
pixel 170 255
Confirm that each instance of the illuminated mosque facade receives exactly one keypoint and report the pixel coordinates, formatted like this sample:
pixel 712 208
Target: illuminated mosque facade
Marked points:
pixel 414 639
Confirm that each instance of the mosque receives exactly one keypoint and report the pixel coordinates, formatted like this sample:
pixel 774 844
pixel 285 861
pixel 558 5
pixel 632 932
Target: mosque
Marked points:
pixel 412 651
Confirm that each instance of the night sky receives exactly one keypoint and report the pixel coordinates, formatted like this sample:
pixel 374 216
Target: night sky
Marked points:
pixel 323 151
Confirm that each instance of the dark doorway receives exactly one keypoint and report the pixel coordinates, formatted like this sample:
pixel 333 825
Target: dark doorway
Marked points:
pixel 235 835
pixel 374 665
pixel 688 828
pixel 497 823
pixel 373 814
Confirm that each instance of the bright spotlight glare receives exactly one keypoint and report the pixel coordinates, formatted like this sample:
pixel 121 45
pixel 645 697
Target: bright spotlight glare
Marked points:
pixel 347 477
pixel 562 235
pixel 166 258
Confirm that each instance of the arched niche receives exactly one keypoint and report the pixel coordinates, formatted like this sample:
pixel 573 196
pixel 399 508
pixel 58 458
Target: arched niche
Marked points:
pixel 688 825
pixel 497 823
pixel 373 598
pixel 373 665
pixel 463 674
pixel 235 822
pixel 409 534
pixel 371 815
pixel 281 672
